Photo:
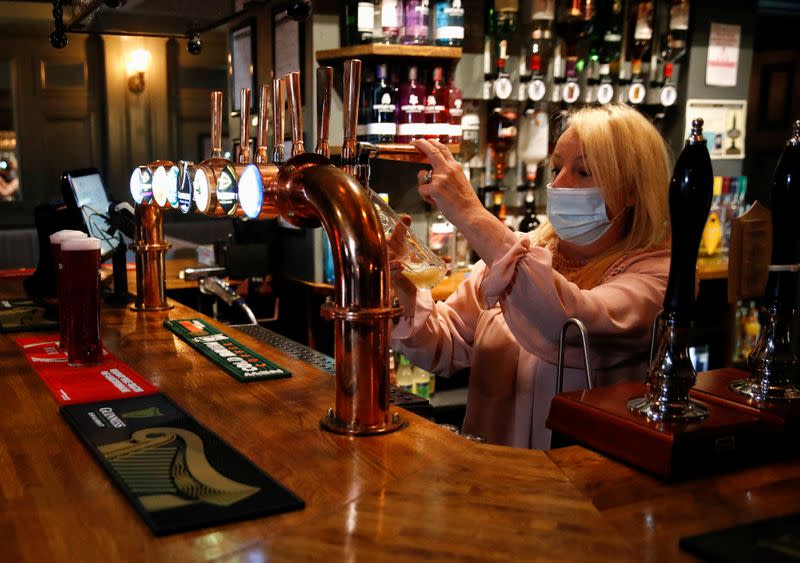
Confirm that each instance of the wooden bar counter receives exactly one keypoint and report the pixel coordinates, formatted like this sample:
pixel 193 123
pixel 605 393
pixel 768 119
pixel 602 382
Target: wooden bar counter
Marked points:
pixel 422 492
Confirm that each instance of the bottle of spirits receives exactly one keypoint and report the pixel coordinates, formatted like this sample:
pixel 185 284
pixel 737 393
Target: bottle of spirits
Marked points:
pixel 358 20
pixel 641 37
pixel 382 123
pixel 674 44
pixel 534 142
pixel 504 31
pixel 529 221
pixel 573 21
pixel 470 144
pixel 365 104
pixel 442 237
pixel 448 19
pixel 410 108
pixel 415 26
pixel 389 16
pixel 541 47
pixel 455 109
pixel 501 134
pixel 436 103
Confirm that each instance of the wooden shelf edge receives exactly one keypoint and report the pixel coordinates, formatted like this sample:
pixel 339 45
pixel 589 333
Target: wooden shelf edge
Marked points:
pixel 384 50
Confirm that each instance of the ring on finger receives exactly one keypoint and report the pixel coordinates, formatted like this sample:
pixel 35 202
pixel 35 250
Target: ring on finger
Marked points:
pixel 428 177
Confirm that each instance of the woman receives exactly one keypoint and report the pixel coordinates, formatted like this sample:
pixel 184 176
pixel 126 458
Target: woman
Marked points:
pixel 602 257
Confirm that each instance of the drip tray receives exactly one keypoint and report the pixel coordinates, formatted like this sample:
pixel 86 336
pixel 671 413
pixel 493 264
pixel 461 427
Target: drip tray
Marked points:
pixel 397 396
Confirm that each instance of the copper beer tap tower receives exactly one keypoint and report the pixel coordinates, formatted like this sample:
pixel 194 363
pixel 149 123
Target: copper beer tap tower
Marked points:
pixel 308 191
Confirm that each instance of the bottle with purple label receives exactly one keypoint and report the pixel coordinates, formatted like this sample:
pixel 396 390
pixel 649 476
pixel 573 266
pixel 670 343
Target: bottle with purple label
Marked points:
pixel 415 28
pixel 410 108
pixel 382 123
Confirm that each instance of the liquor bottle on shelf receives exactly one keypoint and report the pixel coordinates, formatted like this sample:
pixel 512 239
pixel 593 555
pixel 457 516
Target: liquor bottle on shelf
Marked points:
pixel 606 44
pixel 573 21
pixel 389 17
pixel 415 22
pixel 529 220
pixel 540 50
pixel 448 23
pixel 534 143
pixel 501 134
pixel 674 48
pixel 442 236
pixel 639 41
pixel 470 144
pixel 436 118
pixel 365 104
pixel 358 19
pixel 503 15
pixel 455 109
pixel 382 121
pixel 410 108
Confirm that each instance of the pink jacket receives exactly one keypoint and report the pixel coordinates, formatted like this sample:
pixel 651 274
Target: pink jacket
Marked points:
pixel 504 322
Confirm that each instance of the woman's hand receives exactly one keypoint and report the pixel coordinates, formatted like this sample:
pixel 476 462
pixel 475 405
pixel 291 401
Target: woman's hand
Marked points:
pixel 448 189
pixel 402 288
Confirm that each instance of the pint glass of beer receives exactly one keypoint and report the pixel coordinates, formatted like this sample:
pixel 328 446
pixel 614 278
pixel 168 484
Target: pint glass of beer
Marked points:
pixel 80 258
pixel 55 251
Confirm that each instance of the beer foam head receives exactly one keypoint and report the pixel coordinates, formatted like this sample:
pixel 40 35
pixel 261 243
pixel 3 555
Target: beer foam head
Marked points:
pixel 63 234
pixel 88 243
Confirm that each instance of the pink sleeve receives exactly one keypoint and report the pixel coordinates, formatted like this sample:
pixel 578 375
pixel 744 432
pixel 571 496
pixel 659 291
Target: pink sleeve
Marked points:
pixel 440 335
pixel 536 301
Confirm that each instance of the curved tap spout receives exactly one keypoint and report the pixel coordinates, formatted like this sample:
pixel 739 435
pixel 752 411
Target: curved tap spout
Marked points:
pixel 309 188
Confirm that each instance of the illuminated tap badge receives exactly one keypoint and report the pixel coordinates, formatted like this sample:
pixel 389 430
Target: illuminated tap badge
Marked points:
pixel 200 191
pixel 570 92
pixel 668 95
pixel 173 176
pixel 146 177
pixel 251 191
pixel 136 185
pixel 160 186
pixel 605 93
pixel 226 190
pixel 503 88
pixel 536 90
pixel 184 189
pixel 636 93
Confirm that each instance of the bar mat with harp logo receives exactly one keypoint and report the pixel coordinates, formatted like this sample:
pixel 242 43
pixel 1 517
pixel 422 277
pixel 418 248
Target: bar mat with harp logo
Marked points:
pixel 110 379
pixel 177 474
pixel 238 360
pixel 774 540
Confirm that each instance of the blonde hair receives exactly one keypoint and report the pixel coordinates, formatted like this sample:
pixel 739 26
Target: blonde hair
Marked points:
pixel 630 162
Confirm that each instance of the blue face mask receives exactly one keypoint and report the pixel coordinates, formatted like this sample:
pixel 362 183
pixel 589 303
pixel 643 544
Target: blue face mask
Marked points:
pixel 578 215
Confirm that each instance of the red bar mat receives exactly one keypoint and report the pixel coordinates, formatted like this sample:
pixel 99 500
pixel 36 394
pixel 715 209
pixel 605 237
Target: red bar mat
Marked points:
pixel 110 379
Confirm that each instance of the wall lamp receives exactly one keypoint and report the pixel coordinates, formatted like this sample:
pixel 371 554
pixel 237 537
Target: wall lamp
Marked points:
pixel 138 62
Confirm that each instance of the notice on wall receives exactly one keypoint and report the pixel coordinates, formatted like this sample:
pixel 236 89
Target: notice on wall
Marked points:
pixel 723 54
pixel 723 126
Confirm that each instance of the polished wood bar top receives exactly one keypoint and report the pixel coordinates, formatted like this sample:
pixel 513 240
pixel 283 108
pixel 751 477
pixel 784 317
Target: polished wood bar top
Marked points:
pixel 422 492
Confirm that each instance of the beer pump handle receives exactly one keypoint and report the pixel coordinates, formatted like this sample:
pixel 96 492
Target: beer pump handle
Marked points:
pixel 690 193
pixel 324 85
pixel 216 124
pixel 352 86
pixel 244 127
pixel 263 123
pixel 295 111
pixel 278 106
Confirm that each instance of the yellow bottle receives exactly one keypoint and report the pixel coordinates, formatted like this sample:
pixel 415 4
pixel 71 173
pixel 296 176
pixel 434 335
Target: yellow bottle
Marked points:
pixel 712 233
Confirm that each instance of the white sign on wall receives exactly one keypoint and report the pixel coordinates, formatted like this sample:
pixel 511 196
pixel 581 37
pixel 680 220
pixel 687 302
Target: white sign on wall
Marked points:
pixel 723 126
pixel 723 54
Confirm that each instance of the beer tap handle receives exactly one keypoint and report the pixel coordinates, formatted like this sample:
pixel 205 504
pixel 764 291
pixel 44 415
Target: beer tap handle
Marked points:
pixel 295 112
pixel 690 193
pixel 324 84
pixel 216 124
pixel 352 87
pixel 278 107
pixel 263 122
pixel 244 127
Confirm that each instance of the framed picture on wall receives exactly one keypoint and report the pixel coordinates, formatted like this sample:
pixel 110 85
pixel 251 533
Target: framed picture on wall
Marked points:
pixel 242 64
pixel 288 45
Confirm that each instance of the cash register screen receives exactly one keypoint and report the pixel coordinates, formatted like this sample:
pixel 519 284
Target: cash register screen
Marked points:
pixel 92 200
